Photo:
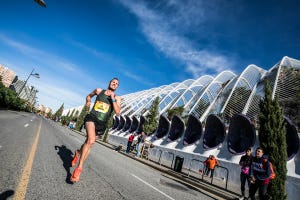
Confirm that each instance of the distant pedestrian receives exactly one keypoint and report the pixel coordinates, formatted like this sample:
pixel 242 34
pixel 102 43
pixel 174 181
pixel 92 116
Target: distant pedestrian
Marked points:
pixel 140 143
pixel 96 121
pixel 245 163
pixel 210 163
pixel 129 142
pixel 259 175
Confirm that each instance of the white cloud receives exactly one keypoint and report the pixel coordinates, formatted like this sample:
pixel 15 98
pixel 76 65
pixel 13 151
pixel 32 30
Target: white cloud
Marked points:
pixel 60 94
pixel 92 50
pixel 111 59
pixel 66 78
pixel 137 78
pixel 162 31
pixel 50 60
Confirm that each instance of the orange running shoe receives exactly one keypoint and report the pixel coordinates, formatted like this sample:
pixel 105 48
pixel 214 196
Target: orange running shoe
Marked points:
pixel 75 159
pixel 76 174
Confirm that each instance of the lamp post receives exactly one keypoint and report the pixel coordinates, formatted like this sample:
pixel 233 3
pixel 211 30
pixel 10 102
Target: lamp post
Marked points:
pixel 31 74
pixel 41 3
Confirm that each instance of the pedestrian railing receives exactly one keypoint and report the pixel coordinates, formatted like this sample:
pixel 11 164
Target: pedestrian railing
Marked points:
pixel 197 161
pixel 169 153
pixel 227 173
pixel 203 170
pixel 152 153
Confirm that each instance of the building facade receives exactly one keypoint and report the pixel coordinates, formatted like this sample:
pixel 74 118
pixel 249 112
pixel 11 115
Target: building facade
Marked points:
pixel 7 75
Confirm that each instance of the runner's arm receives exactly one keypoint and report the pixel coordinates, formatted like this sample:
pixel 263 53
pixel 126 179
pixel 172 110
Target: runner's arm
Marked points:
pixel 89 96
pixel 117 105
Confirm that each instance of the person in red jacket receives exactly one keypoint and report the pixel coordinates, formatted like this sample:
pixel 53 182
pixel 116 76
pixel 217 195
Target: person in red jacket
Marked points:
pixel 210 163
pixel 129 143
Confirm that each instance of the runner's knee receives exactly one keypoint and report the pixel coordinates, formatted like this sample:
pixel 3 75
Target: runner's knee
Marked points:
pixel 90 142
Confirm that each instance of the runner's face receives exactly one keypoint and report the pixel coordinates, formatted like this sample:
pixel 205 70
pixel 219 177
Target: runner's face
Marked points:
pixel 113 85
pixel 259 153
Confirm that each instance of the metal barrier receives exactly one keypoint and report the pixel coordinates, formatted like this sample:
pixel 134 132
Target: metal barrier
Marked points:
pixel 168 153
pixel 203 171
pixel 227 172
pixel 159 154
pixel 189 170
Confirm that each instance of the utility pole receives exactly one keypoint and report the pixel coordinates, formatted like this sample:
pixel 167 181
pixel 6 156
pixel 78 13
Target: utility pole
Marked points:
pixel 31 74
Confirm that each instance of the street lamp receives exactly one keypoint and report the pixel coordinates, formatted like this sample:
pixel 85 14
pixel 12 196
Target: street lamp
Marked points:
pixel 41 3
pixel 36 75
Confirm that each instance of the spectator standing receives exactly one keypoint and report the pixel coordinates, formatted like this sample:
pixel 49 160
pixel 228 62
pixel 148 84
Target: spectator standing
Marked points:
pixel 210 163
pixel 129 143
pixel 259 175
pixel 140 142
pixel 245 163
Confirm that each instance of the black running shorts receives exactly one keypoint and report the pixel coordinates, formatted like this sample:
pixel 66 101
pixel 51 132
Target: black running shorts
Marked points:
pixel 99 126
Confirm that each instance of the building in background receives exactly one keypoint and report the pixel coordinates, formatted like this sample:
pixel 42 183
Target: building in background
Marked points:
pixel 10 80
pixel 43 110
pixel 28 93
pixel 7 75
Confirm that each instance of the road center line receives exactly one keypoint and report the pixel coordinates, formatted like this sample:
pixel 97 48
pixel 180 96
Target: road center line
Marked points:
pixel 22 186
pixel 152 186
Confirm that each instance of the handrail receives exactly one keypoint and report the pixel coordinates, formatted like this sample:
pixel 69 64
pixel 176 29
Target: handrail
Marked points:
pixel 226 174
pixel 159 155
pixel 203 171
pixel 172 155
pixel 189 170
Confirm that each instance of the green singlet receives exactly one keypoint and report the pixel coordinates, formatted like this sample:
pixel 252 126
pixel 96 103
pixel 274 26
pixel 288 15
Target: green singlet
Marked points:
pixel 103 107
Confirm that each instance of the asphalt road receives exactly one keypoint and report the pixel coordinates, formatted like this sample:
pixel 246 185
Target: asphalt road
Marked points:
pixel 35 158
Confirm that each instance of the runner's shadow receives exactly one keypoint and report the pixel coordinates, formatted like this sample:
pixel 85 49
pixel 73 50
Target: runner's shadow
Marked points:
pixel 6 194
pixel 65 155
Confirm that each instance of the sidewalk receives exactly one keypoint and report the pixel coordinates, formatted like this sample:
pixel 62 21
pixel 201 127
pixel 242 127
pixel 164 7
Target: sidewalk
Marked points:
pixel 216 191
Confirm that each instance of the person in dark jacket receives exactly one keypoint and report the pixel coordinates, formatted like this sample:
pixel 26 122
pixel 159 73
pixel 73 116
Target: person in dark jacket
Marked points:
pixel 259 175
pixel 245 163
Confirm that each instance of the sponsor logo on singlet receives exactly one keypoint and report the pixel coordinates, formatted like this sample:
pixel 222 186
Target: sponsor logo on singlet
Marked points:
pixel 101 107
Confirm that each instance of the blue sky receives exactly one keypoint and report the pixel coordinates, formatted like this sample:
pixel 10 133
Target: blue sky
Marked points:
pixel 79 45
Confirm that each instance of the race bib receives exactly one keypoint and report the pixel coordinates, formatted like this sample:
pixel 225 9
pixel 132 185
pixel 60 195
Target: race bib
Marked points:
pixel 101 107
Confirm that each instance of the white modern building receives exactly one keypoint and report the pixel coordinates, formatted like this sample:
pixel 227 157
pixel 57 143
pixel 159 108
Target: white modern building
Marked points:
pixel 219 118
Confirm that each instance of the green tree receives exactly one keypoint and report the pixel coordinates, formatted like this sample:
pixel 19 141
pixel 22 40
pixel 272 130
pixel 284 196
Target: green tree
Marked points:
pixel 151 118
pixel 272 137
pixel 50 115
pixel 9 99
pixel 72 113
pixel 76 115
pixel 174 111
pixel 58 113
pixel 108 126
pixel 64 120
pixel 80 120
pixel 68 114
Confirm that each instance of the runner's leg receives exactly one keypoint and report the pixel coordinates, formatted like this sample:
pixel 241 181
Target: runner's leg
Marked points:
pixel 90 140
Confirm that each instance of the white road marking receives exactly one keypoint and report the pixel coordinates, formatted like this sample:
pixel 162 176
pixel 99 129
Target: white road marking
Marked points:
pixel 152 186
pixel 26 125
